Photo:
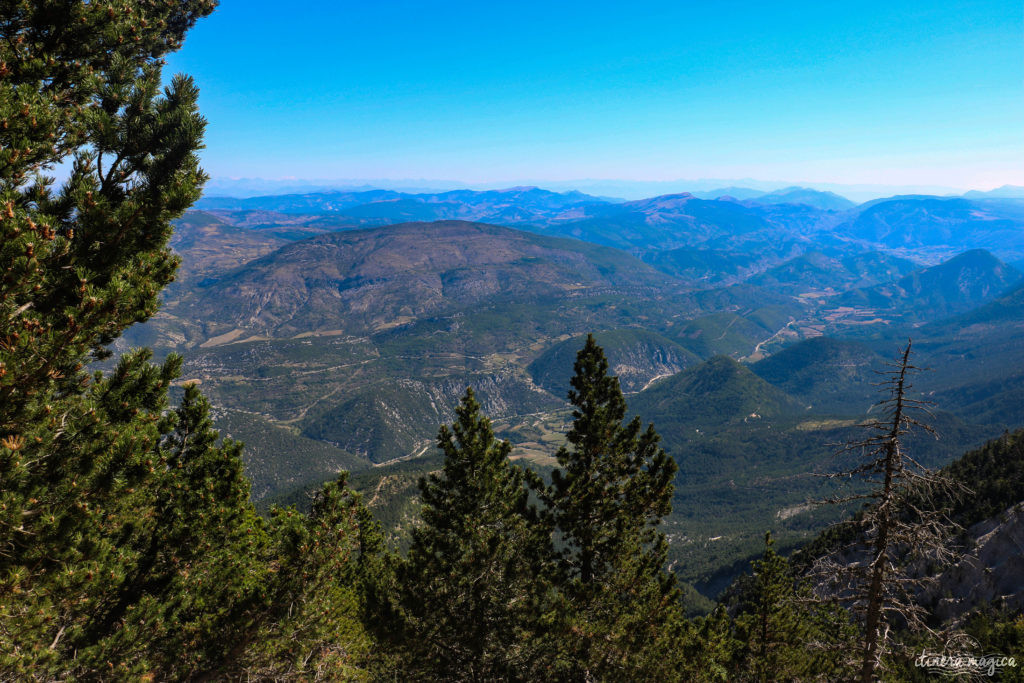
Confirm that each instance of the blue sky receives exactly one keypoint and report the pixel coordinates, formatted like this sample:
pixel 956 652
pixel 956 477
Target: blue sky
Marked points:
pixel 832 92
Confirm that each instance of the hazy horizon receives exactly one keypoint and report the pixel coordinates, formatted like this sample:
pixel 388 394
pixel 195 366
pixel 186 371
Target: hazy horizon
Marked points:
pixel 618 188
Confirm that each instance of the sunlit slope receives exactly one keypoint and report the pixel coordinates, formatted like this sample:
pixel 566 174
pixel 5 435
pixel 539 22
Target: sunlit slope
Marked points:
pixel 365 281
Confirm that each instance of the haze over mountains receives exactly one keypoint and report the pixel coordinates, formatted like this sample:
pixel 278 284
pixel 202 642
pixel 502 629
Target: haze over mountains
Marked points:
pixel 748 326
pixel 910 222
pixel 706 188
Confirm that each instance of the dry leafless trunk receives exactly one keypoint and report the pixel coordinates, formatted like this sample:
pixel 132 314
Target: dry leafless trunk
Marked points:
pixel 899 525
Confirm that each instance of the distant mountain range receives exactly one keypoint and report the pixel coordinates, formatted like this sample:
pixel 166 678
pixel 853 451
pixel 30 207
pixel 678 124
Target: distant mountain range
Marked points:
pixel 469 302
pixel 667 222
pixel 334 333
pixel 963 282
pixel 626 189
pixel 512 206
pixel 783 223
pixel 958 224
pixel 1004 192
pixel 816 271
pixel 828 201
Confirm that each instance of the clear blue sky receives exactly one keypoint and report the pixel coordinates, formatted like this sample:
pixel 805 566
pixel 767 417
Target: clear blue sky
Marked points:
pixel 919 92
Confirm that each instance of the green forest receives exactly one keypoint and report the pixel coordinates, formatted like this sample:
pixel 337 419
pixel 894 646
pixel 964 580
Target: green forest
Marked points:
pixel 131 547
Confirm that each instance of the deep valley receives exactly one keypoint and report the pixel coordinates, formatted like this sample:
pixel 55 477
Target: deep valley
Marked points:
pixel 749 332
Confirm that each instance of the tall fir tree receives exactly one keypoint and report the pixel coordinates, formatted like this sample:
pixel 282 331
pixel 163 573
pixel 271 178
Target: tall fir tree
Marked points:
pixel 606 500
pixel 473 586
pixel 785 633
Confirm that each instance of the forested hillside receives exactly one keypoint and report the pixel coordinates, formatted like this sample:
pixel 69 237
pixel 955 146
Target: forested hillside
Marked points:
pixel 479 435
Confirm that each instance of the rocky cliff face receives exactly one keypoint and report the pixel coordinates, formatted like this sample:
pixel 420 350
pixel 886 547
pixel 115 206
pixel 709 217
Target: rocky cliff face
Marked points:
pixel 991 570
pixel 637 357
pixel 988 569
pixel 639 365
pixel 398 419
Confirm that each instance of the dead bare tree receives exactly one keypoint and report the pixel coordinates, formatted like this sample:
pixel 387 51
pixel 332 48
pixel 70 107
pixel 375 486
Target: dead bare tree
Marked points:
pixel 899 529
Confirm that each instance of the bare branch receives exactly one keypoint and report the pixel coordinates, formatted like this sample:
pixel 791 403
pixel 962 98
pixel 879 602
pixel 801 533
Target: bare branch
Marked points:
pixel 880 573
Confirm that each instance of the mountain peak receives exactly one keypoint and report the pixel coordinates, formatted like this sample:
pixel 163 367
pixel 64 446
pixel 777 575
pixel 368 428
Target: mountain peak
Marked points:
pixel 956 285
pixel 1003 192
pixel 827 201
pixel 361 281
pixel 718 390
pixel 833 375
pixel 974 257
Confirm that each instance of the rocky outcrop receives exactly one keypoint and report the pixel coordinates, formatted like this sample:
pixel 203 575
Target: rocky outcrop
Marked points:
pixel 990 571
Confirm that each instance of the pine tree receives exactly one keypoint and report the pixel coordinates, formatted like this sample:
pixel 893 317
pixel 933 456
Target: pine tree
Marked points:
pixel 772 626
pixel 706 648
pixel 128 546
pixel 194 557
pixel 606 500
pixel 473 583
pixel 786 634
pixel 81 461
pixel 317 569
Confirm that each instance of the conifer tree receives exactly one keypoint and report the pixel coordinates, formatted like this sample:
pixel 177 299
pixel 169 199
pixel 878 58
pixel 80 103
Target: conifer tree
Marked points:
pixel 128 546
pixel 772 628
pixel 606 500
pixel 472 586
pixel 310 623
pixel 706 648
pixel 194 557
pixel 786 634
pixel 81 461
